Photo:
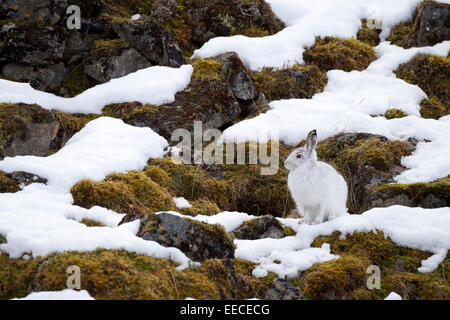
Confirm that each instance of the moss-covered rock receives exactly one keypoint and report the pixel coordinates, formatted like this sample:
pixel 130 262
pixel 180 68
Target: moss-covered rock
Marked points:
pixel 7 183
pixel 132 193
pixel 427 27
pixel 364 160
pixel 334 53
pixel 371 36
pixel 427 195
pixel 198 240
pixel 345 278
pixel 394 114
pixel 296 82
pixel 263 227
pixel 194 22
pixel 31 130
pixel 432 74
pixel 121 275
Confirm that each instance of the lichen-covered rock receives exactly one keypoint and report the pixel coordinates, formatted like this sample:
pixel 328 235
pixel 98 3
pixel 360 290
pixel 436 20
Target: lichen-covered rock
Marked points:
pixel 26 130
pixel 283 290
pixel 335 53
pixel 266 226
pixel 433 23
pixel 52 12
pixel 428 26
pixel 432 74
pixel 200 241
pixel 104 68
pixel 31 130
pixel 151 40
pixel 237 76
pixel 296 82
pixel 426 195
pixel 22 179
pixel 29 44
pixel 365 160
pixel 194 22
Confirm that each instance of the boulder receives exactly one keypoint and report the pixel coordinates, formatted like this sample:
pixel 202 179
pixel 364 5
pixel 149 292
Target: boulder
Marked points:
pixel 32 45
pixel 50 12
pixel 198 240
pixel 283 290
pixel 103 69
pixel 263 227
pixel 432 23
pixel 151 40
pixel 237 76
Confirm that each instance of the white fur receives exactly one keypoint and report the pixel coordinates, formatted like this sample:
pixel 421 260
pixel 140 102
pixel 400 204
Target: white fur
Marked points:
pixel 319 191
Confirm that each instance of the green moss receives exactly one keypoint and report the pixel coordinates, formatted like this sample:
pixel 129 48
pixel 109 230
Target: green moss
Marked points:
pixel 432 74
pixel 335 279
pixel 77 81
pixel 360 250
pixel 282 84
pixel 419 191
pixel 257 287
pixel 289 232
pixel 114 274
pixel 360 156
pixel 433 108
pixel 207 69
pixel 132 192
pixel 232 187
pixel 335 53
pixel 403 35
pixel 368 35
pixel 15 121
pixel 202 207
pixel 394 114
pixel 109 47
pixel 7 184
pixel 92 223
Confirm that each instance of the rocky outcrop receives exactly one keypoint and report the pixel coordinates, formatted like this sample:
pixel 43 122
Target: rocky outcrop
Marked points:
pixel 432 23
pixel 194 22
pixel 426 195
pixel 198 240
pixel 266 226
pixel 152 41
pixel 50 12
pixel 219 94
pixel 283 290
pixel 103 69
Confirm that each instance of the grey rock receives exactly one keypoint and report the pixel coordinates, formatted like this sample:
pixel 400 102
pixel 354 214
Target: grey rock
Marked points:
pixel 399 265
pixel 434 23
pixel 237 76
pixel 263 227
pixel 50 11
pixel 433 201
pixel 106 68
pixel 283 290
pixel 40 136
pixel 152 41
pixel 2 239
pixel 162 10
pixel 31 44
pixel 49 78
pixel 26 178
pixel 18 72
pixel 197 241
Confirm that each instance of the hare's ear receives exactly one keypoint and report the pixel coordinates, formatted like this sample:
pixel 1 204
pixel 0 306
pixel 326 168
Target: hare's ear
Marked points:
pixel 311 141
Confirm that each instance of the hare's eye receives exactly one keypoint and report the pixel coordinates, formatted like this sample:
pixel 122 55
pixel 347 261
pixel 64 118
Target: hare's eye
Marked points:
pixel 299 155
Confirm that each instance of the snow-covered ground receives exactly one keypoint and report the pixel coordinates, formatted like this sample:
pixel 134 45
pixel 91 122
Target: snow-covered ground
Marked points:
pixel 67 294
pixel 41 218
pixel 153 85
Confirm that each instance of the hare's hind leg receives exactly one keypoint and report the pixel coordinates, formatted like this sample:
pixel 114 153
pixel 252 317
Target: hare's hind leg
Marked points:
pixel 319 215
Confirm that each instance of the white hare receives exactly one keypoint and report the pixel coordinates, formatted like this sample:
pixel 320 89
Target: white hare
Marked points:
pixel 319 191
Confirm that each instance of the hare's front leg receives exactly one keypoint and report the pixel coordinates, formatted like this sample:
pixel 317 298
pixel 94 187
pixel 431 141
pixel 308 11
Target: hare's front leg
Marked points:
pixel 318 215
